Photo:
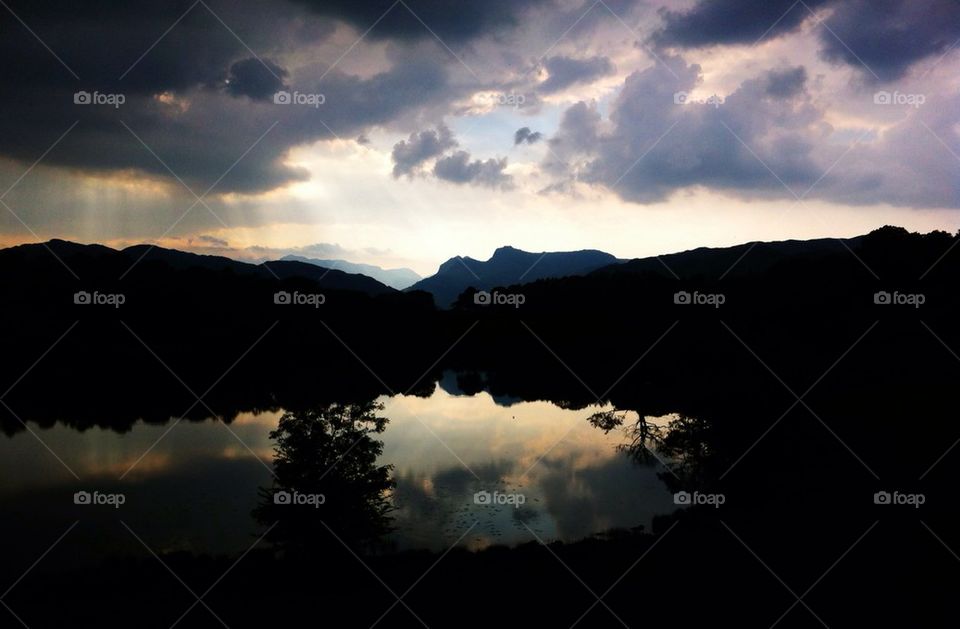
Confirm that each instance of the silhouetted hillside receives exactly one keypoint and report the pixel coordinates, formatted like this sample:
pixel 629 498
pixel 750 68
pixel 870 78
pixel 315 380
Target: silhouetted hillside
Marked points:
pixel 507 266
pixel 137 255
pixel 799 312
pixel 395 278
pixel 194 312
pixel 327 278
pixel 182 260
pixel 746 259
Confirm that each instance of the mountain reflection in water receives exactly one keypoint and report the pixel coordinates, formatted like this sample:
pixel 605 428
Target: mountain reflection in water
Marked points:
pixel 196 487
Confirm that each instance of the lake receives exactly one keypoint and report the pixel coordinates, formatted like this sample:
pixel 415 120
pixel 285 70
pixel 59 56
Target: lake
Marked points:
pixel 470 470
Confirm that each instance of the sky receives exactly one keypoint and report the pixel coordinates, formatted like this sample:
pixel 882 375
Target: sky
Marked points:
pixel 405 132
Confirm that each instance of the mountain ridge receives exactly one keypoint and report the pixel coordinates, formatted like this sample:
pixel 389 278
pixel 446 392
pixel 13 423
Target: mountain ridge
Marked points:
pixel 733 261
pixel 398 278
pixel 130 258
pixel 507 265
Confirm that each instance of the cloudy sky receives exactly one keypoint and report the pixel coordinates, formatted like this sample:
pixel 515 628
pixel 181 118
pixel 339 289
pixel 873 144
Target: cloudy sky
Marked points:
pixel 403 133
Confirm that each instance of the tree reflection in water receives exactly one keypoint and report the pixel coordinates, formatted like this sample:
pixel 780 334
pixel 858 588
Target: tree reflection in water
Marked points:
pixel 682 445
pixel 328 452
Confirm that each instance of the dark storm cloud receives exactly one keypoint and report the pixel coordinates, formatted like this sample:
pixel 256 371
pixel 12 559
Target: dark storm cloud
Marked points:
pixel 566 71
pixel 711 22
pixel 880 38
pixel 408 155
pixel 103 40
pixel 180 96
pixel 458 168
pixel 256 78
pixel 453 21
pixel 107 46
pixel 885 37
pixel 525 135
pixel 201 134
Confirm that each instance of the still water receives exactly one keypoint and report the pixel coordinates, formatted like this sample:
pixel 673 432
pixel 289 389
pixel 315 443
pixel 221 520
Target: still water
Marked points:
pixel 192 486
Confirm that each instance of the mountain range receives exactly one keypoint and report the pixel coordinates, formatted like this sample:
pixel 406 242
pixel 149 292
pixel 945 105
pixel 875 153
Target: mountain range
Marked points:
pixel 194 310
pixel 510 266
pixel 395 278
pixel 505 267
pixel 129 260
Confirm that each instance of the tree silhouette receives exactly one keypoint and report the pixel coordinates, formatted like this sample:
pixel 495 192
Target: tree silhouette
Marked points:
pixel 327 474
pixel 684 444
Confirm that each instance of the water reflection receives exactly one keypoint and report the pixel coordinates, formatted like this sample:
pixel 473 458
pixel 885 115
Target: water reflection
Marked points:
pixel 193 485
pixel 680 443
pixel 575 483
pixel 328 475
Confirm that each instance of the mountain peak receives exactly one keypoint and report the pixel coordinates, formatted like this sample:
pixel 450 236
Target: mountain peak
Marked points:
pixel 458 264
pixel 507 266
pixel 508 253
